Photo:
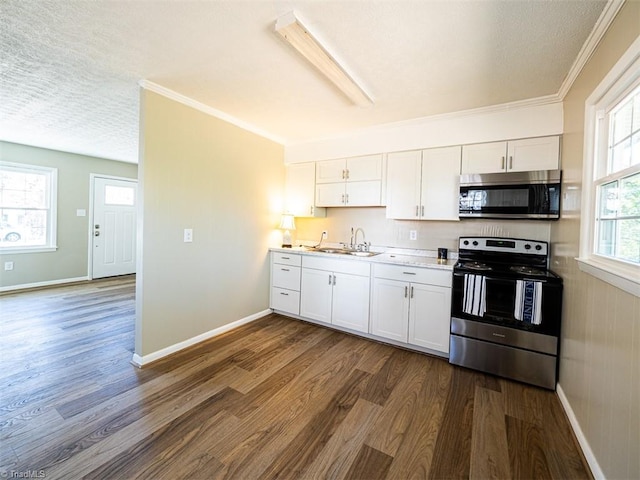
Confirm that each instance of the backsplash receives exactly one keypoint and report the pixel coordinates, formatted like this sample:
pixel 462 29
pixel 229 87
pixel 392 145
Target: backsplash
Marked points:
pixel 384 232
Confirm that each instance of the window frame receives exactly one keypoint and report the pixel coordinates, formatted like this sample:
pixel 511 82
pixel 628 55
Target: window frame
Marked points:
pixel 52 232
pixel 623 79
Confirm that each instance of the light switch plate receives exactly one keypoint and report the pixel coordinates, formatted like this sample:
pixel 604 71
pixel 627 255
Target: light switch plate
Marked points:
pixel 188 235
pixel 413 234
pixel 8 266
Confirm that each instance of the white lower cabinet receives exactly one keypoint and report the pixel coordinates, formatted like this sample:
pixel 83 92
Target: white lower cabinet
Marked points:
pixel 409 305
pixel 336 292
pixel 412 305
pixel 285 282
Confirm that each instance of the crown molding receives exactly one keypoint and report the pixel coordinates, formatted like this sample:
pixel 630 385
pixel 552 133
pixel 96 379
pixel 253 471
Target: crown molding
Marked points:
pixel 607 16
pixel 178 97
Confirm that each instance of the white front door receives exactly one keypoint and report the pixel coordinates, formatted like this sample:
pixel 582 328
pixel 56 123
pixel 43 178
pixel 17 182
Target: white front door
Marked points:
pixel 114 227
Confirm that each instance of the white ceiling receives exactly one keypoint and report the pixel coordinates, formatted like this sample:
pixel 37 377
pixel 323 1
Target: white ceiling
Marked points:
pixel 70 69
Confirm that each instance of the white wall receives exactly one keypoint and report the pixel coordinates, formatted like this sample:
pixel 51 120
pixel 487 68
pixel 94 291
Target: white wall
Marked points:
pixel 226 184
pixel 476 126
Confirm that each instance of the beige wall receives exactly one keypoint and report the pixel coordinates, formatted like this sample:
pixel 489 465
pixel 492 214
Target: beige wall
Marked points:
pixel 600 358
pixel 226 184
pixel 70 260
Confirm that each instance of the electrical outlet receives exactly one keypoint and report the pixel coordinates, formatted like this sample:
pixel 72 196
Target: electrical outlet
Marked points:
pixel 8 266
pixel 188 235
pixel 325 234
pixel 413 234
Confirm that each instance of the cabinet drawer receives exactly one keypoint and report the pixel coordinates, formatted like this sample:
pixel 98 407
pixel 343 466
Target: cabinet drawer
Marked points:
pixel 285 276
pixel 287 258
pixel 285 300
pixel 430 276
pixel 354 267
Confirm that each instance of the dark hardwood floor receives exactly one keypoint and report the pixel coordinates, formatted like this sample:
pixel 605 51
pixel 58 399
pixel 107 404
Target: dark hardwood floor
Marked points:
pixel 275 398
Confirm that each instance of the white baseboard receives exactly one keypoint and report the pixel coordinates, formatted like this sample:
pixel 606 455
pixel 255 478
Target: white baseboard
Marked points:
pixel 48 283
pixel 142 360
pixel 582 440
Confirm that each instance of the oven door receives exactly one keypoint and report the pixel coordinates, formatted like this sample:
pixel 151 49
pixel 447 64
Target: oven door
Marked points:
pixel 541 201
pixel 502 304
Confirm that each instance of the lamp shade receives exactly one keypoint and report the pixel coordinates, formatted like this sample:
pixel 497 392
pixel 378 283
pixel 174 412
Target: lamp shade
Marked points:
pixel 286 222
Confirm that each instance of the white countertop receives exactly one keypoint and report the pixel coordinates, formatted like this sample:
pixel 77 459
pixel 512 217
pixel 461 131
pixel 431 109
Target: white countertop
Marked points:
pixel 397 256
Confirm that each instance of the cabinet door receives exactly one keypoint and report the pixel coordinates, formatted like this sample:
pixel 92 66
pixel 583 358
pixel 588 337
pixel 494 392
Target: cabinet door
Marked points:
pixel 534 154
pixel 330 171
pixel 301 190
pixel 365 168
pixel 390 309
pixel 403 185
pixel 484 157
pixel 363 194
pixel 315 294
pixel 330 195
pixel 440 183
pixel 351 302
pixel 430 316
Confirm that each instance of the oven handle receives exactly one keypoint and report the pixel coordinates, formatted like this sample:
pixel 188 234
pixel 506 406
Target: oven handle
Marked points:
pixel 502 279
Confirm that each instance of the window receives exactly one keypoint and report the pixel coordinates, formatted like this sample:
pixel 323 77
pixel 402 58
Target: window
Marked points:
pixel 618 186
pixel 27 207
pixel 610 233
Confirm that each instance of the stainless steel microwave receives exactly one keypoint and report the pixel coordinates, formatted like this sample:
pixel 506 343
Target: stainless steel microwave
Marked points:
pixel 512 195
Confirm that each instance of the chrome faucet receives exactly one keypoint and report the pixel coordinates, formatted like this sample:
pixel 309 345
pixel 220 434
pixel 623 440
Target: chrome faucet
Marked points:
pixel 364 246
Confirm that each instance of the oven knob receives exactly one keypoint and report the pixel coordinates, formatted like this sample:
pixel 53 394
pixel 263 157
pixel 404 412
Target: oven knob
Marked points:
pixel 538 247
pixel 475 243
pixel 466 242
pixel 527 246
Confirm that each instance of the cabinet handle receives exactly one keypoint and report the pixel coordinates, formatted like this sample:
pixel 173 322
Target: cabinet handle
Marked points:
pixel 417 210
pixel 510 163
pixel 347 199
pixel 422 210
pixel 406 291
pixel 329 279
pixel 409 273
pixel 344 174
pixel 311 210
pixel 334 279
pixel 284 269
pixel 347 177
pixel 284 258
pixel 502 166
pixel 343 198
pixel 285 294
pixel 412 291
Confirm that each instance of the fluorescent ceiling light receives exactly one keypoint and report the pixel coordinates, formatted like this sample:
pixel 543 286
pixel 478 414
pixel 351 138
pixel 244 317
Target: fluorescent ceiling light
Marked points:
pixel 294 32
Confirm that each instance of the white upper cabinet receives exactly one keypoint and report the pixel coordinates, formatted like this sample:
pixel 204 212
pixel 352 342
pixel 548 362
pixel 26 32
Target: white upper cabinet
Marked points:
pixel 440 183
pixel 423 184
pixel 350 182
pixel 300 191
pixel 530 154
pixel 542 153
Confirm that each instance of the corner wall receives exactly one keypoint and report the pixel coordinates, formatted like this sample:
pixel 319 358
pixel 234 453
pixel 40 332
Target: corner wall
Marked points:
pixel 600 350
pixel 226 184
pixel 70 260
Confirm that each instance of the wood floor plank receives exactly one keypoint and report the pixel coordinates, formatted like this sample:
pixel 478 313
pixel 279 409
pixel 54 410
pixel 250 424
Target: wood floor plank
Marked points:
pixel 370 464
pixel 275 398
pixel 489 449
pixel 451 458
pixel 526 450
pixel 415 455
pixel 339 454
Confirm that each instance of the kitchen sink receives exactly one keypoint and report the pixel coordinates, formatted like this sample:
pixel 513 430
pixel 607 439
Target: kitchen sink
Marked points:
pixel 344 251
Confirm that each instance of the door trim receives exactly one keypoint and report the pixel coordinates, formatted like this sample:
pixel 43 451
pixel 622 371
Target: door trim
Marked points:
pixel 92 178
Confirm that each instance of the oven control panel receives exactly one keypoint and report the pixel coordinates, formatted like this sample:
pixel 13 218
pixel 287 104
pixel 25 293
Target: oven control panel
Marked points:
pixel 504 245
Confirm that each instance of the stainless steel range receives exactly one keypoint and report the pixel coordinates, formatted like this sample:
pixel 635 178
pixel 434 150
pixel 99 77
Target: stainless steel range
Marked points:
pixel 506 309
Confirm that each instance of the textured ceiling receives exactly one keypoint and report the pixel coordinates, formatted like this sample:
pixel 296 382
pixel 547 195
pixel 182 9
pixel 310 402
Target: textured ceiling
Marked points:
pixel 70 69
